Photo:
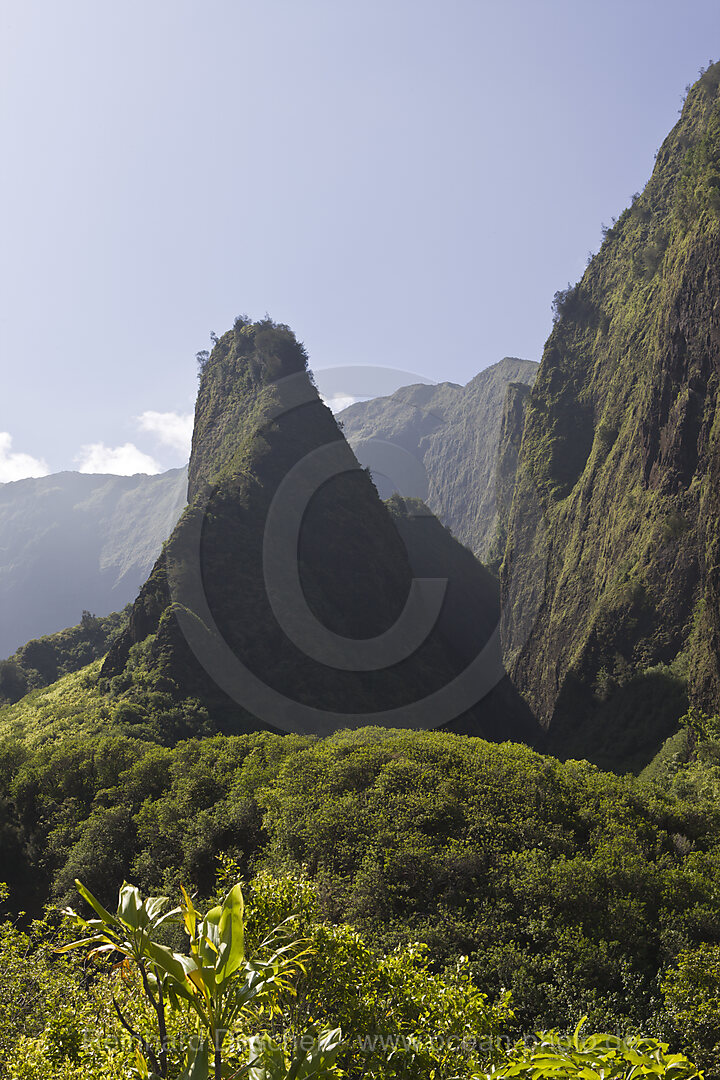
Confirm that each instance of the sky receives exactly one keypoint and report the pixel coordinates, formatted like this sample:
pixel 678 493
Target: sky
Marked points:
pixel 406 183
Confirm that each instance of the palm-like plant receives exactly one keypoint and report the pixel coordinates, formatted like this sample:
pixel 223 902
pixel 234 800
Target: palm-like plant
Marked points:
pixel 214 981
pixel 130 933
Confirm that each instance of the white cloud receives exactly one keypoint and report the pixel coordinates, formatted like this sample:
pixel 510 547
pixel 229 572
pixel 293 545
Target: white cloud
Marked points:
pixel 338 402
pixel 18 466
pixel 123 460
pixel 171 429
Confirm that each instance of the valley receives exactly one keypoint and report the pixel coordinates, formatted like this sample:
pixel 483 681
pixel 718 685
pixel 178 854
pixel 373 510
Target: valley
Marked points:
pixel 461 745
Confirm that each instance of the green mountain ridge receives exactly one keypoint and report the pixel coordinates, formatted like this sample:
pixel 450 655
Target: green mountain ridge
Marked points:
pixel 615 520
pixel 43 661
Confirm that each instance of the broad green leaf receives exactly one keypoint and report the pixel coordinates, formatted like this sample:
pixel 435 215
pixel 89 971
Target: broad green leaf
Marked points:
pixel 213 915
pixel 189 915
pixel 131 909
pixel 208 945
pixel 170 916
pixel 109 947
pixel 154 906
pixel 231 930
pixel 171 963
pixel 107 918
pixel 198 1064
pixel 81 943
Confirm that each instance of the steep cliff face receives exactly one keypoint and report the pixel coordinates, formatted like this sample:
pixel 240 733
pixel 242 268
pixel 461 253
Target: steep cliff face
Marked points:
pixel 72 542
pixel 613 539
pixel 512 425
pixel 206 626
pixel 453 431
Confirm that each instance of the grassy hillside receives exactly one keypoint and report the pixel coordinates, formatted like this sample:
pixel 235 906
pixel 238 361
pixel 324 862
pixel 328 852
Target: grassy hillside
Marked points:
pixel 70 706
pixel 44 660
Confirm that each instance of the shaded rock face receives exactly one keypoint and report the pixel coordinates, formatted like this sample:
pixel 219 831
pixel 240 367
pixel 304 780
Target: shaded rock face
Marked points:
pixel 454 432
pixel 517 399
pixel 258 421
pixel 73 542
pixel 615 521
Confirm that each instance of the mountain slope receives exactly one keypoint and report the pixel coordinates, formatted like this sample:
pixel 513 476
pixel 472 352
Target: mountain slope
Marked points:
pixel 615 525
pixel 453 431
pixel 44 660
pixel 205 630
pixel 73 542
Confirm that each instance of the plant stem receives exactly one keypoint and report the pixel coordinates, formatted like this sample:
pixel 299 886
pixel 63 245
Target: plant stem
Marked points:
pixel 159 1007
pixel 162 1027
pixel 147 1047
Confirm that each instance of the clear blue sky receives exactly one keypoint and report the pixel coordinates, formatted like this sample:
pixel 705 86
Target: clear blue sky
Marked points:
pixel 406 183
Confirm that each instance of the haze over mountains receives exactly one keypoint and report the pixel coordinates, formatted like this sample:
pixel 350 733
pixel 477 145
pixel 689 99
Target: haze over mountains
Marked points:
pixel 453 431
pixel 73 542
pixel 593 491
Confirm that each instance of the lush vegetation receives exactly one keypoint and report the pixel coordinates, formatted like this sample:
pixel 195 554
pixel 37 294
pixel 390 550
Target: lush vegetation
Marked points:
pixel 580 892
pixel 418 903
pixel 45 660
pixel 270 990
pixel 614 516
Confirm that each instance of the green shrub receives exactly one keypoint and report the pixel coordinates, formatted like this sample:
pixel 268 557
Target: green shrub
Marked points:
pixel 692 997
pixel 593 1057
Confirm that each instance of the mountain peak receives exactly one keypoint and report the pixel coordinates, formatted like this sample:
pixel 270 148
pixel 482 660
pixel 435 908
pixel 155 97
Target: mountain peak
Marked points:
pixel 211 626
pixel 238 384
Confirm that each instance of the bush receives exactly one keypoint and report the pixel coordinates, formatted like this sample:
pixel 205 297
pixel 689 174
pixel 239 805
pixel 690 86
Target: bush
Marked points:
pixel 692 997
pixel 574 303
pixel 710 79
pixel 606 434
pixel 562 302
pixel 558 1057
